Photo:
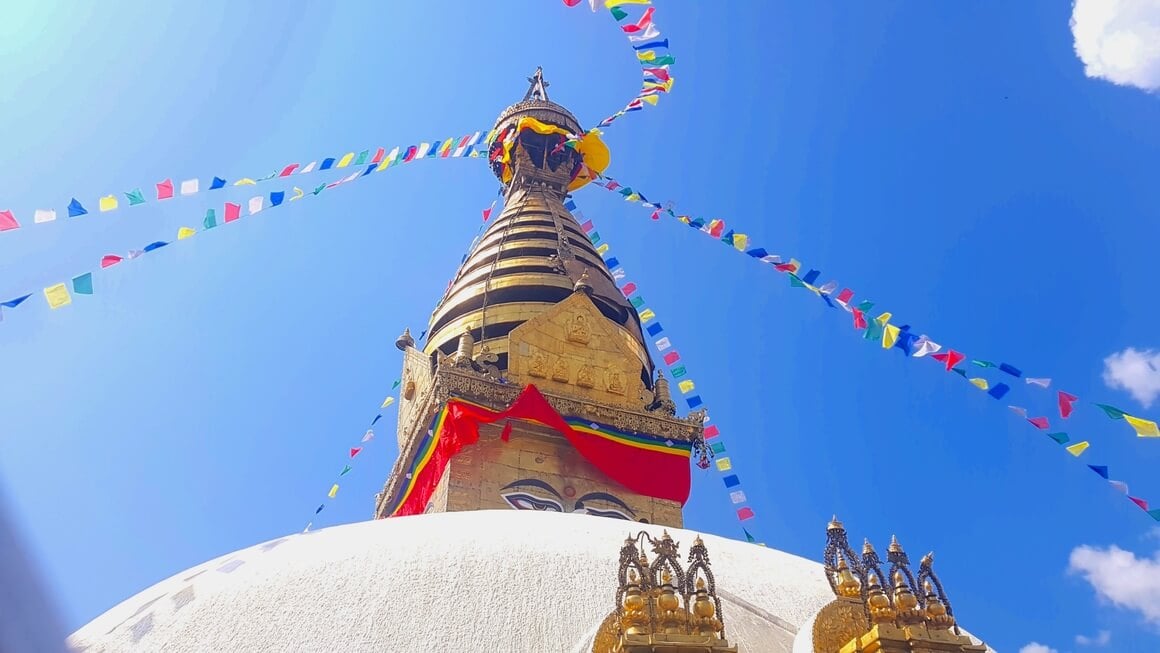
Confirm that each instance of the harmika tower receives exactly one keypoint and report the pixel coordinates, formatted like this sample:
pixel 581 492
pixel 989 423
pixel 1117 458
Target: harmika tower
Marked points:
pixel 534 304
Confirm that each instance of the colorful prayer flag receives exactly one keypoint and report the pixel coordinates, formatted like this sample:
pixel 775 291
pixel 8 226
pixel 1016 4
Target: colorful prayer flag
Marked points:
pixel 646 315
pixel 75 209
pixel 950 357
pixel 57 296
pixel 724 464
pixel 165 189
pixel 354 451
pixel 711 431
pixel 217 183
pixel 233 211
pixel 44 215
pixel 135 197
pixel 189 187
pixel 109 260
pixel 731 480
pixel 745 514
pixel 185 232
pixel 387 402
pixel 1039 422
pixel 1066 402
pixel 1060 438
pixel 694 401
pixel 998 390
pixel 663 344
pixel 83 284
pixel 345 470
pixel 672 357
pixel 686 386
pixel 1112 411
pixel 333 491
pixel 979 383
pixel 107 203
pixel 1043 383
pixel 1077 448
pixel 1144 428
pixel 255 204
pixel 210 220
pixel 737 496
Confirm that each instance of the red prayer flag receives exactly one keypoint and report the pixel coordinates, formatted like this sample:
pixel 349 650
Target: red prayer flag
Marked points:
pixel 672 357
pixel 659 73
pixel 950 357
pixel 711 431
pixel 785 267
pixel 233 211
pixel 288 170
pixel 1139 502
pixel 1066 401
pixel 109 260
pixel 859 319
pixel 379 154
pixel 641 24
pixel 745 513
pixel 571 3
pixel 354 451
pixel 628 288
pixel 8 221
pixel 487 212
pixel 165 189
pixel 1039 422
pixel 587 226
pixel 612 185
pixel 845 296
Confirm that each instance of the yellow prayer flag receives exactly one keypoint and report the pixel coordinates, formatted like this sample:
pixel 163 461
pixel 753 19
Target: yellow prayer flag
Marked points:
pixel 980 383
pixel 1077 448
pixel 57 296
pixel 889 335
pixel 107 203
pixel 740 241
pixel 609 4
pixel 602 249
pixel 297 194
pixel 724 464
pixel 883 319
pixel 185 232
pixel 345 161
pixel 245 182
pixel 647 55
pixel 333 491
pixel 651 99
pixel 686 386
pixel 646 315
pixel 632 197
pixel 1144 428
pixel 387 402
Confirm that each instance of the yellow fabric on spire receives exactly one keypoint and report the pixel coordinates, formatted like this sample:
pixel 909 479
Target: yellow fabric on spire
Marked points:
pixel 387 402
pixel 980 383
pixel 889 335
pixel 108 203
pixel 1144 428
pixel 57 296
pixel 883 319
pixel 528 122
pixel 1077 448
pixel 185 232
pixel 333 491
pixel 647 55
pixel 647 314
pixel 609 4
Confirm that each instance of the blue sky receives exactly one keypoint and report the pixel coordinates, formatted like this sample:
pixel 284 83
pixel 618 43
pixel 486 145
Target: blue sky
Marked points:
pixel 951 162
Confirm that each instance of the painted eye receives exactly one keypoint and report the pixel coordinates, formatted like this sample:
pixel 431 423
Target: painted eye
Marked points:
pixel 526 501
pixel 614 514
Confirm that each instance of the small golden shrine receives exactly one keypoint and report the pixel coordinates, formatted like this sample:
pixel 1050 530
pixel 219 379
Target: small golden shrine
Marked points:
pixel 876 611
pixel 662 607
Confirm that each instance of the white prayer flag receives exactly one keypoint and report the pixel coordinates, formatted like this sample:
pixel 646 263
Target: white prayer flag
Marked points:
pixel 737 496
pixel 255 204
pixel 189 187
pixel 309 168
pixel 664 344
pixel 44 215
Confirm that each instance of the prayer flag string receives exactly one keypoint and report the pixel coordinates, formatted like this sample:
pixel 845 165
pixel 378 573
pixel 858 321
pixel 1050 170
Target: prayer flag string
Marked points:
pixel 651 50
pixel 662 342
pixel 884 330
pixel 58 295
pixel 471 145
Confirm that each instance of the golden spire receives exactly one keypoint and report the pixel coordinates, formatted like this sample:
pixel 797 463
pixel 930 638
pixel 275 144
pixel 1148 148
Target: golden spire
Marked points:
pixel 936 613
pixel 881 612
pixel 895 547
pixel 905 602
pixel 867 547
pixel 834 524
pixel 848 586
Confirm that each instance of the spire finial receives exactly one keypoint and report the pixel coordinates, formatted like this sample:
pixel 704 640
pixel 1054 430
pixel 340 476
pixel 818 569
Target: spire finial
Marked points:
pixel 539 88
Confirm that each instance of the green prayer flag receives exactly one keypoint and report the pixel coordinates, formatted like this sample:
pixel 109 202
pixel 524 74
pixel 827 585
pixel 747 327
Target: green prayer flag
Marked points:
pixel 319 189
pixel 959 371
pixel 1154 514
pixel 795 281
pixel 717 447
pixel 135 197
pixel 626 191
pixel 666 60
pixel 1061 438
pixel 594 237
pixel 1111 411
pixel 210 219
pixel 748 537
pixel 865 306
pixel 344 470
pixel 362 157
pixel 979 363
pixel 637 301
pixel 618 13
pixel 83 285
pixel 873 330
pixel 396 383
pixel 678 371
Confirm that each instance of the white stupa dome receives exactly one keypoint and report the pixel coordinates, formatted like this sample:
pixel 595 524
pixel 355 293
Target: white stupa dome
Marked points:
pixel 501 580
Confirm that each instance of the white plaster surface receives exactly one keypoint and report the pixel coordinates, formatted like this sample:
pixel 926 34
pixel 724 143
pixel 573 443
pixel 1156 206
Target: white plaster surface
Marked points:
pixel 504 580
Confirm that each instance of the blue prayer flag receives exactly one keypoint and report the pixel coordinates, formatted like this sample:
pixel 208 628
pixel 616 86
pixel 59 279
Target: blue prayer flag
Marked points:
pixel 327 164
pixel 83 285
pixel 694 401
pixel 654 328
pixel 13 303
pixel 998 390
pixel 612 262
pixel 663 43
pixel 277 197
pixel 75 209
pixel 731 480
pixel 1013 371
pixel 758 253
pixel 812 276
pixel 1102 470
pixel 570 205
pixel 217 183
pixel 155 245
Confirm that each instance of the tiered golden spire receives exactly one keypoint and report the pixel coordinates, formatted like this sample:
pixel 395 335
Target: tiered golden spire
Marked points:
pixel 894 616
pixel 662 606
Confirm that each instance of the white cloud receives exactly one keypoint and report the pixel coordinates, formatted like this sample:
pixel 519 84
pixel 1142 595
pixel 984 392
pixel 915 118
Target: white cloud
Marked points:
pixel 1101 639
pixel 1119 40
pixel 1120 577
pixel 1136 371
pixel 1035 647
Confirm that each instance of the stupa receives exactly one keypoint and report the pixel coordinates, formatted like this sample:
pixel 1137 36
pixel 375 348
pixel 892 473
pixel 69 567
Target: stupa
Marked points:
pixel 535 393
